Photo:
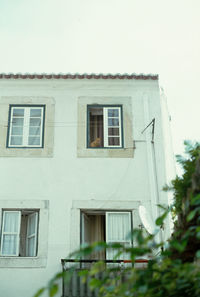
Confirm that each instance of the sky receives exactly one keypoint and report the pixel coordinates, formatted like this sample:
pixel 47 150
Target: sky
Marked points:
pixel 111 36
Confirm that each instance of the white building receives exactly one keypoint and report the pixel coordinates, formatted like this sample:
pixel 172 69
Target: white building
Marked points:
pixel 76 163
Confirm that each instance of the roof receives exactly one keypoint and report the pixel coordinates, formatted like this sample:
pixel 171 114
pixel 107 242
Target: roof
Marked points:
pixel 77 76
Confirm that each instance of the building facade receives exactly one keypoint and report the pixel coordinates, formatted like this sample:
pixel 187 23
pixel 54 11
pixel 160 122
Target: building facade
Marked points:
pixel 78 155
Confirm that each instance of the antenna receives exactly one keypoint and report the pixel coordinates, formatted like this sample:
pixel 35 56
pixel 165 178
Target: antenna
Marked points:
pixel 153 128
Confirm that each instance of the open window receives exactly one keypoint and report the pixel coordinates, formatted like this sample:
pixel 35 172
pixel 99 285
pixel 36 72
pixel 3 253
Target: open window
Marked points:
pixel 108 226
pixel 104 126
pixel 19 233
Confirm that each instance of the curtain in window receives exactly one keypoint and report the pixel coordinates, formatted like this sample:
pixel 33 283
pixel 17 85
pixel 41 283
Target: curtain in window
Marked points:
pixel 10 233
pixel 118 227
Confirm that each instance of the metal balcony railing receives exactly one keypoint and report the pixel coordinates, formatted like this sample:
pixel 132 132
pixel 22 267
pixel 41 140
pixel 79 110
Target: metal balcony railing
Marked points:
pixel 77 288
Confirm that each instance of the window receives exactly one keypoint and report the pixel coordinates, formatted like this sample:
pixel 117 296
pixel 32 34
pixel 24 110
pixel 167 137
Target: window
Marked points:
pixel 104 126
pixel 19 233
pixel 106 226
pixel 26 126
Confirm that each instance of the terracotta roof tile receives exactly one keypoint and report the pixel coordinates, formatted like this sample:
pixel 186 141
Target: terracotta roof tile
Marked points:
pixel 77 76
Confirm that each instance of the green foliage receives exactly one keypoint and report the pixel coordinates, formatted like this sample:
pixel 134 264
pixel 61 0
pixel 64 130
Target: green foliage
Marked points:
pixel 175 271
pixel 181 184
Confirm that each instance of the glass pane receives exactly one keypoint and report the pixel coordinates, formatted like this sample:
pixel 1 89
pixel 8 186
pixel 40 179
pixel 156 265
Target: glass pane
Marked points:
pixel 113 131
pixel 31 224
pixel 113 141
pixel 17 131
pixel 31 244
pixel 35 112
pixel 113 122
pixel 113 112
pixel 9 245
pixel 35 121
pixel 18 112
pixel 119 227
pixel 18 121
pixel 95 127
pixel 11 220
pixel 34 140
pixel 34 131
pixel 16 140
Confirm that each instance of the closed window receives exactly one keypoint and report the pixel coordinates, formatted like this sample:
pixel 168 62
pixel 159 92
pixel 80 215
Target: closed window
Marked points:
pixel 104 126
pixel 19 233
pixel 26 126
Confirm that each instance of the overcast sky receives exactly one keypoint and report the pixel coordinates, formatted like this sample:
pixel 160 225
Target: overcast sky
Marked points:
pixel 144 36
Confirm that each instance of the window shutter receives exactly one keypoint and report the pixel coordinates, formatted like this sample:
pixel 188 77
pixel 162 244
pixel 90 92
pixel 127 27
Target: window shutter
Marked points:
pixel 112 127
pixel 10 233
pixel 118 227
pixel 31 239
pixel 86 229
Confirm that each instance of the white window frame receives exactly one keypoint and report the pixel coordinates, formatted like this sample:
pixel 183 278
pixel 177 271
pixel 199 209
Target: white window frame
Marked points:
pixel 18 232
pixel 125 242
pixel 26 125
pixel 33 235
pixel 106 127
pixel 42 206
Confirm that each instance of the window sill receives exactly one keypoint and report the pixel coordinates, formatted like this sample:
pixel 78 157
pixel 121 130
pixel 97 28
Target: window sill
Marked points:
pixel 22 262
pixel 105 153
pixel 26 152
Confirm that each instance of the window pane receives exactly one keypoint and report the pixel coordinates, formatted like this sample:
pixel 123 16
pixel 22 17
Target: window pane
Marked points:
pixel 9 246
pixel 35 112
pixel 16 140
pixel 113 131
pixel 113 112
pixel 18 112
pixel 31 226
pixel 17 131
pixel 113 141
pixel 113 122
pixel 11 220
pixel 34 131
pixel 34 140
pixel 18 121
pixel 35 121
pixel 31 245
pixel 119 227
pixel 95 127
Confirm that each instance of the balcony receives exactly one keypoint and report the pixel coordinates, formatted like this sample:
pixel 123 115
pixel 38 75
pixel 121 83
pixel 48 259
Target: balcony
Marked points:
pixel 77 288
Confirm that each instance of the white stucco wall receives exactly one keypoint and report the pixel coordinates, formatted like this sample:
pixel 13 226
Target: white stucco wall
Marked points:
pixel 62 178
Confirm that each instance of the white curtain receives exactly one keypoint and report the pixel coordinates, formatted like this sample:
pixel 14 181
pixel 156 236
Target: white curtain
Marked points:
pixel 10 233
pixel 118 227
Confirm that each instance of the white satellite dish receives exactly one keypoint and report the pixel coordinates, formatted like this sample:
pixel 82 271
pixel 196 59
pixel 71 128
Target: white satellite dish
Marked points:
pixel 146 220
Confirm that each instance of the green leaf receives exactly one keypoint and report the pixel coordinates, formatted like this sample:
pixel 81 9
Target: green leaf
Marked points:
pixel 198 254
pixel 95 283
pixel 196 200
pixel 39 292
pixel 53 290
pixel 179 246
pixel 83 272
pixel 191 215
pixel 159 221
